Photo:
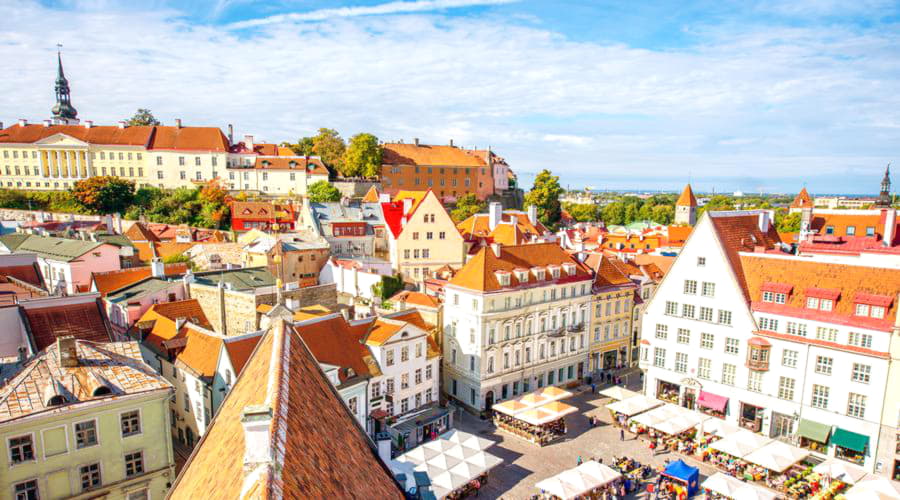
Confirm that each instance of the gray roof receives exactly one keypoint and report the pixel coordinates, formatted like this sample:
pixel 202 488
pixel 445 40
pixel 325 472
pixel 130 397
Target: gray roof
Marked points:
pixel 13 240
pixel 115 239
pixel 335 211
pixel 139 290
pixel 53 248
pixel 238 279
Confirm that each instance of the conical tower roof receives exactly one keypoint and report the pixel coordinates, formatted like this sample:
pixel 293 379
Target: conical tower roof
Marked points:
pixel 687 198
pixel 802 200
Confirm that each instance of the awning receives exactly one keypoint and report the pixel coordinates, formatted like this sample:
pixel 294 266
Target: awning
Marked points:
pixel 849 439
pixel 712 401
pixel 814 430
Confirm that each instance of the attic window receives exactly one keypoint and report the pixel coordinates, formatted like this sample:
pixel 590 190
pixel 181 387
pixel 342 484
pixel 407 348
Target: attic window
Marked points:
pixel 522 275
pixel 570 269
pixel 503 277
pixel 101 391
pixel 56 400
pixel 554 272
pixel 539 273
pixel 292 164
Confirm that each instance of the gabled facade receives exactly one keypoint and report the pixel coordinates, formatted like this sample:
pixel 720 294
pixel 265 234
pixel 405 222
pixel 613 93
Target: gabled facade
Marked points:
pixel 66 265
pixel 351 229
pixel 246 215
pixel 449 171
pixel 613 302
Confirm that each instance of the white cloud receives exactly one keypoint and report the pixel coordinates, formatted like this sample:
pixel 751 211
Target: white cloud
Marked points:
pixel 815 100
pixel 399 7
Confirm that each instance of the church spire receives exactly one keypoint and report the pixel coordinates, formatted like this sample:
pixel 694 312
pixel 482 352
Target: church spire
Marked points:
pixel 63 111
pixel 884 198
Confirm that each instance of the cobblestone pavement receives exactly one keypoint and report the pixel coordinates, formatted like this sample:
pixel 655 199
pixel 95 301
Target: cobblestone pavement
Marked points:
pixel 524 464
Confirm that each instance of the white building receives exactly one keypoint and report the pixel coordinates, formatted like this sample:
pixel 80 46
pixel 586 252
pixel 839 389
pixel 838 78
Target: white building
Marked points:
pixel 515 319
pixel 790 347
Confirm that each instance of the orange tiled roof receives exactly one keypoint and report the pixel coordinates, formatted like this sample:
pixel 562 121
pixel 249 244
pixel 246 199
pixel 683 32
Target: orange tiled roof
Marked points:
pixel 662 262
pixel 318 449
pixel 109 281
pixel 739 232
pixel 609 275
pixel 479 224
pixel 334 341
pixel 201 351
pixel 164 315
pixel 849 280
pixel 840 223
pixel 151 137
pixel 480 272
pixel 312 165
pixel 802 200
pixel 415 299
pixel 164 249
pixel 139 232
pixel 260 210
pixel 444 156
pixel 239 350
pixel 189 138
pixel 687 197
pixel 118 365
pixel 371 196
pixel 382 330
pixel 413 317
pixel 678 235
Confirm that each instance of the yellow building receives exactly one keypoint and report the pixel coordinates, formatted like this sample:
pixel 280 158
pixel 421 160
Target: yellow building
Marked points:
pixel 422 236
pixel 612 304
pixel 85 420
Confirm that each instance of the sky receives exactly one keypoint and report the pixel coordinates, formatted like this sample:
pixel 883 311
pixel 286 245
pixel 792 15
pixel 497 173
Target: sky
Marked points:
pixel 757 96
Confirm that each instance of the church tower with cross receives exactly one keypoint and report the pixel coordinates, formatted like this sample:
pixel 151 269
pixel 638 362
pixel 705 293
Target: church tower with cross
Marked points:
pixel 63 111
pixel 884 197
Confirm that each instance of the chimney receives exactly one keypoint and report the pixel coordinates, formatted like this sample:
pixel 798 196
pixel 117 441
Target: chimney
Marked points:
pixel 178 123
pixel 88 123
pixel 187 279
pixel 122 123
pixel 23 122
pixel 496 248
pixel 383 441
pixel 47 123
pixel 109 223
pixel 230 134
pixel 1 125
pixel 248 142
pixel 532 214
pixel 67 352
pixel 764 221
pixel 890 224
pixel 451 143
pixel 416 140
pixel 179 322
pixel 495 212
pixel 157 268
pixel 256 421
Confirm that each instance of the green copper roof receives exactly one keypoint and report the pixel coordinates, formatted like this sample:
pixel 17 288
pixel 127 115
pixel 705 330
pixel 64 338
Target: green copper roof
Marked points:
pixel 13 240
pixel 115 239
pixel 138 290
pixel 61 249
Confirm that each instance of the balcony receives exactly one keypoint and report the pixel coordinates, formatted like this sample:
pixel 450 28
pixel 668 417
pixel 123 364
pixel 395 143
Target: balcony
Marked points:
pixel 758 354
pixel 556 332
pixel 576 328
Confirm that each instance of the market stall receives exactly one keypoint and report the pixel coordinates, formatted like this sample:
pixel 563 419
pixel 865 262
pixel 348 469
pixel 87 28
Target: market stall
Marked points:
pixel 813 435
pixel 456 465
pixel 850 446
pixel 712 404
pixel 683 476
pixel 728 454
pixel 621 410
pixel 839 470
pixel 777 456
pixel 721 485
pixel 538 417
pixel 874 488
pixel 715 427
pixel 618 393
pixel 589 478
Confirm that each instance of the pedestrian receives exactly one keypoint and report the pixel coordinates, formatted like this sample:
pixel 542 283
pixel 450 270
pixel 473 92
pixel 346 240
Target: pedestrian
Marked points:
pixel 579 460
pixel 593 388
pixel 621 434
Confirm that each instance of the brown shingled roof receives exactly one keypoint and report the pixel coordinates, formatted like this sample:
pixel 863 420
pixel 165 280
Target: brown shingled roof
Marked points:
pixel 318 449
pixel 83 321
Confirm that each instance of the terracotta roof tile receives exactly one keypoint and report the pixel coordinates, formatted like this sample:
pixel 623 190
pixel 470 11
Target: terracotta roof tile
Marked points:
pixel 334 341
pixel 83 321
pixel 480 272
pixel 446 156
pixel 609 275
pixel 687 198
pixel 110 281
pixel 158 137
pixel 164 249
pixel 415 299
pixel 259 210
pixel 163 317
pixel 318 449
pixel 27 273
pixel 802 200
pixel 240 349
pixel 311 165
pixel 371 196
pixel 739 232
pixel 201 351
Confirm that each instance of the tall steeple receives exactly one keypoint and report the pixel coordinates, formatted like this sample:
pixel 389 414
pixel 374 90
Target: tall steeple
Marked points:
pixel 63 111
pixel 686 207
pixel 884 198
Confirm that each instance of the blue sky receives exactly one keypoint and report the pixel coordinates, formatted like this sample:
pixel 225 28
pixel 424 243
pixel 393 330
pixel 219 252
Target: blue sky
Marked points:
pixel 752 95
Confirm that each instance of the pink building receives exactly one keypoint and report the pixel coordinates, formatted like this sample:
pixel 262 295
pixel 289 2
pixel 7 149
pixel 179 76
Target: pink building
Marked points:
pixel 67 264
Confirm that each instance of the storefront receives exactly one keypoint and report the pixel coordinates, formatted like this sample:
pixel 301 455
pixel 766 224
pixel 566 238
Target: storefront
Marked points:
pixel 712 404
pixel 849 446
pixel 609 359
pixel 751 417
pixel 421 427
pixel 667 391
pixel 814 436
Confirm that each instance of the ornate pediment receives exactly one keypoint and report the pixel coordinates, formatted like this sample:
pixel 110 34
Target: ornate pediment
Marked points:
pixel 61 140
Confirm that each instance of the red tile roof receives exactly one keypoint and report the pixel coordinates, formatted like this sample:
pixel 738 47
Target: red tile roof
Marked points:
pixel 318 449
pixel 802 200
pixel 480 272
pixel 109 281
pixel 415 299
pixel 313 166
pixel 158 137
pixel 334 341
pixel 259 210
pixel 687 197
pixel 163 317
pixel 27 273
pixel 240 349
pixel 739 232
pixel 83 321
pixel 445 156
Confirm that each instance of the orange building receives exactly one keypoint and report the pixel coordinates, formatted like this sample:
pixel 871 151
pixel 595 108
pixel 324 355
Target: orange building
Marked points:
pixel 449 171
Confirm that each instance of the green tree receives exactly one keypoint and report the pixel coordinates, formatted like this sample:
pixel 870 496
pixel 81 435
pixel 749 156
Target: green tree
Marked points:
pixel 304 146
pixel 544 195
pixel 362 157
pixel 322 191
pixel 142 117
pixel 581 212
pixel 613 214
pixel 104 195
pixel 329 146
pixel 664 214
pixel 467 205
pixel 786 222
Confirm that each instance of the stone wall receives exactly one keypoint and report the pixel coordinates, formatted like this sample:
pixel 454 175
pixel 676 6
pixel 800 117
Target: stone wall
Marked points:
pixel 355 189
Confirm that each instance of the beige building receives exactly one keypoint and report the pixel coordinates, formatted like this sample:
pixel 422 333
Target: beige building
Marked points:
pixel 421 237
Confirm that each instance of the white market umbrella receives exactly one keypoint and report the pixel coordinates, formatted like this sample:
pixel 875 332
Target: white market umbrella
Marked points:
pixel 634 405
pixel 467 470
pixel 558 488
pixel 722 484
pixel 840 470
pixel 418 455
pixel 462 452
pixel 718 427
pixel 447 481
pixel 440 445
pixel 443 461
pixel 485 460
pixel 740 444
pixel 874 487
pixel 777 456
pixel 603 473
pixel 617 392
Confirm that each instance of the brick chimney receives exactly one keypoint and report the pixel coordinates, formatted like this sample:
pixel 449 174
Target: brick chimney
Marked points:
pixel 67 351
pixel 88 123
pixel 23 122
pixel 122 124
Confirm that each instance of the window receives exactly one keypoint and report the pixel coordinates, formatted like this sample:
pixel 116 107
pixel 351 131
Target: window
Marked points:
pixel 389 386
pixel 182 175
pixel 789 358
pixel 704 368
pixel 26 490
pixel 709 289
pixel 690 287
pixel 471 363
pixel 796 328
pixel 180 159
pixel 768 324
pixel 681 361
pixel 706 340
pixel 671 308
pixel 754 381
pixel 877 312
pixel 389 357
pixel 862 309
pixel 819 396
pixel 404 353
pixel 684 336
pixel 856 405
pixel 21 449
pixel 687 311
pixel 732 346
pixel 812 303
pixel 701 261
pixel 134 462
pixel 86 434
pixel 131 423
pixel 860 340
pixel 786 388
pixel 826 304
pixel 159 160
pixel 662 331
pixel 404 381
pixel 861 373
pixel 724 317
pixel 824 365
pixel 419 346
pixel 659 357
pixel 829 334
pixel 90 476
pixel 728 372
pixel 706 313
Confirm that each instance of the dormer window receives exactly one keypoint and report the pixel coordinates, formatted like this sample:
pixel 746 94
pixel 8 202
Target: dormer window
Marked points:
pixel 503 277
pixel 871 305
pixel 821 298
pixel 776 293
pixel 777 298
pixel 554 272
pixel 522 275
pixel 569 268
pixel 539 273
pixel 826 304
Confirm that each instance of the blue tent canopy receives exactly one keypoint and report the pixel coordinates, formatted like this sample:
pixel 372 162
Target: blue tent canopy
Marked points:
pixel 684 473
